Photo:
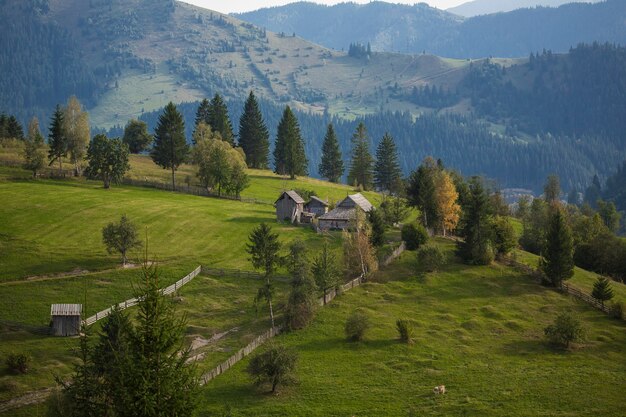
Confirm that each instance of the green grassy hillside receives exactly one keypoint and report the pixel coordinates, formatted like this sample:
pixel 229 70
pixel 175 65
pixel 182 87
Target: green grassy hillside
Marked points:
pixel 478 330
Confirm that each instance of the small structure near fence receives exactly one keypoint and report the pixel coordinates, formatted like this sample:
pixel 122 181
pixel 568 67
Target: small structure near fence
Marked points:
pixel 66 319
pixel 344 215
pixel 289 206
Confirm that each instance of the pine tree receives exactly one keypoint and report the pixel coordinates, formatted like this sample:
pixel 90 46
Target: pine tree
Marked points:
pixel 377 237
pixel 421 192
pixel 325 270
pixel 34 155
pixel 170 145
pixel 477 247
pixel 387 173
pixel 202 114
pixel 301 302
pixel 361 166
pixel 253 135
pixel 331 167
pixel 552 189
pixel 14 128
pixel 557 261
pixel 602 290
pixel 57 140
pixel 263 249
pixel 219 119
pixel 289 156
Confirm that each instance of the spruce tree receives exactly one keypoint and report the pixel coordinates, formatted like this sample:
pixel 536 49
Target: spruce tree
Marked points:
pixel 476 230
pixel 170 148
pixel 301 303
pixel 377 237
pixel 602 290
pixel 289 156
pixel 387 173
pixel 34 154
pixel 361 166
pixel 219 119
pixel 557 261
pixel 202 114
pixel 331 167
pixel 421 192
pixel 57 140
pixel 325 270
pixel 253 135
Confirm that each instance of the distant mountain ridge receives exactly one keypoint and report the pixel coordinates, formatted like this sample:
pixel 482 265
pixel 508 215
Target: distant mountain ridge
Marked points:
pixel 418 28
pixel 480 7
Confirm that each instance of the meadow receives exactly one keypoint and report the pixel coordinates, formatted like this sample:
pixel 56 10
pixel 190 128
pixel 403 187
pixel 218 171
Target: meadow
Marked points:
pixel 478 331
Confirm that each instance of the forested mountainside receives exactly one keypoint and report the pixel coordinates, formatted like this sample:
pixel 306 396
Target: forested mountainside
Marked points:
pixel 513 120
pixel 480 7
pixel 418 28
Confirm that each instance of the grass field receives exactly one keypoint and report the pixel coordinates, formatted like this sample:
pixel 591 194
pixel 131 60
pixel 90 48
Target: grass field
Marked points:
pixel 479 331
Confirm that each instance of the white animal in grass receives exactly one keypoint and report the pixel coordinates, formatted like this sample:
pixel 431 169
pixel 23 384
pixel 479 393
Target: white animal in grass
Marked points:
pixel 439 389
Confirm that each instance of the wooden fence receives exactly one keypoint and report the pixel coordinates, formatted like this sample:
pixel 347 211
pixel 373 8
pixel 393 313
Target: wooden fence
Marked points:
pixel 190 189
pixel 397 252
pixel 133 301
pixel 567 288
pixel 242 353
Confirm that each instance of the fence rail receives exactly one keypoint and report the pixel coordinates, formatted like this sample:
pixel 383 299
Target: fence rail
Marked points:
pixel 565 287
pixel 258 341
pixel 133 301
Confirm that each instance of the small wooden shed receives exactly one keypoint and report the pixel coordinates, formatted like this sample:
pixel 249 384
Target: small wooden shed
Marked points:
pixel 289 206
pixel 317 206
pixel 66 319
pixel 344 214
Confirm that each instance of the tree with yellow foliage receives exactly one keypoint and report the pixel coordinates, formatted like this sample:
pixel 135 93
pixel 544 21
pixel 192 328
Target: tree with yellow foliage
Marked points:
pixel 77 131
pixel 446 198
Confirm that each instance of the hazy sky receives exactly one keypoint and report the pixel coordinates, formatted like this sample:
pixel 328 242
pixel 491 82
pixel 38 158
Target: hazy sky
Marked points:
pixel 235 6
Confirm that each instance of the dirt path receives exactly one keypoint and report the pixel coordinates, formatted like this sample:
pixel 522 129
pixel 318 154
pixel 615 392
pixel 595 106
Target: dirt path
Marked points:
pixel 31 398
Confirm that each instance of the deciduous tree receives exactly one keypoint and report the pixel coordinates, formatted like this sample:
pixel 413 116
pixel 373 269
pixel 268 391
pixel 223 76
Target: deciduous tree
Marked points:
pixel 275 366
pixel 77 132
pixel 136 136
pixel 107 160
pixel 34 154
pixel 446 198
pixel 121 237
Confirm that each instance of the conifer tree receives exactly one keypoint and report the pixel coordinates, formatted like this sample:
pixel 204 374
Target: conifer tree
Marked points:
pixel 557 261
pixel 219 119
pixel 325 270
pixel 34 155
pixel 421 192
pixel 602 290
pixel 361 166
pixel 301 303
pixel 253 135
pixel 377 237
pixel 476 230
pixel 14 128
pixel 57 140
pixel 263 249
pixel 331 167
pixel 387 173
pixel 289 156
pixel 170 145
pixel 202 114
pixel 552 189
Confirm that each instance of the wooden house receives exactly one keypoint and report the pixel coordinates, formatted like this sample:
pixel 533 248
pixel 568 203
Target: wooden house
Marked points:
pixel 289 206
pixel 317 206
pixel 344 215
pixel 66 319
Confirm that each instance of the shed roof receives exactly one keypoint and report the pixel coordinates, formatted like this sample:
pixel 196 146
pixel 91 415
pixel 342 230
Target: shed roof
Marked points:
pixel 339 213
pixel 360 201
pixel 66 309
pixel 315 199
pixel 293 195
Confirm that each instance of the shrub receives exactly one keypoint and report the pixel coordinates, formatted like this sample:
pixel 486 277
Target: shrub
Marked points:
pixel 617 310
pixel 565 330
pixel 405 330
pixel 356 325
pixel 414 236
pixel 430 258
pixel 18 363
pixel 274 366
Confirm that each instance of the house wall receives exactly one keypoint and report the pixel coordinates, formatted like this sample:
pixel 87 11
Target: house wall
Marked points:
pixel 333 224
pixel 65 325
pixel 287 208
pixel 317 209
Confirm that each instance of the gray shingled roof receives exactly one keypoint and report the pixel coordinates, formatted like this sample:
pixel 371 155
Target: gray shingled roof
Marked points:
pixel 339 213
pixel 293 195
pixel 319 200
pixel 360 201
pixel 66 309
